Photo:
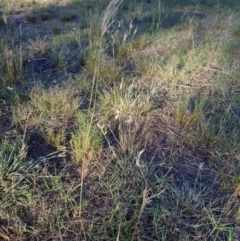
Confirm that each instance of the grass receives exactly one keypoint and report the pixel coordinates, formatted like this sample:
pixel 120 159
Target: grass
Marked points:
pixel 119 120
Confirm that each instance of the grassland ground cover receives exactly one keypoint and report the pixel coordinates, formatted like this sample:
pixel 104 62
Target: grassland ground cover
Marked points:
pixel 120 120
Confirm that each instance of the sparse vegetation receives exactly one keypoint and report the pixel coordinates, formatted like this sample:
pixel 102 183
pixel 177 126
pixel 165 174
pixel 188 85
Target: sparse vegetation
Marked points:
pixel 119 120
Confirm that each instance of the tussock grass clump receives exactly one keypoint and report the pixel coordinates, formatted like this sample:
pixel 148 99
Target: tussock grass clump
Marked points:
pixel 125 103
pixel 86 141
pixel 31 18
pixel 126 47
pixel 45 16
pixel 57 59
pixel 57 102
pixel 67 17
pixel 11 65
pixel 57 30
pixel 37 46
pixel 50 110
pixel 121 119
pixel 103 67
pixel 14 170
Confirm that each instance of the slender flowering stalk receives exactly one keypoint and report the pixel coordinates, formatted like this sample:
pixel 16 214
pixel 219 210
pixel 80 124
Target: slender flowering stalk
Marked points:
pixel 109 12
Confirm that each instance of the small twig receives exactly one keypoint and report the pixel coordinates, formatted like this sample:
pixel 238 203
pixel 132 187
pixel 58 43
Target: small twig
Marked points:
pixel 83 230
pixel 216 70
pixel 37 59
pixel 145 200
pixel 235 114
pixel 138 158
pixel 119 230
